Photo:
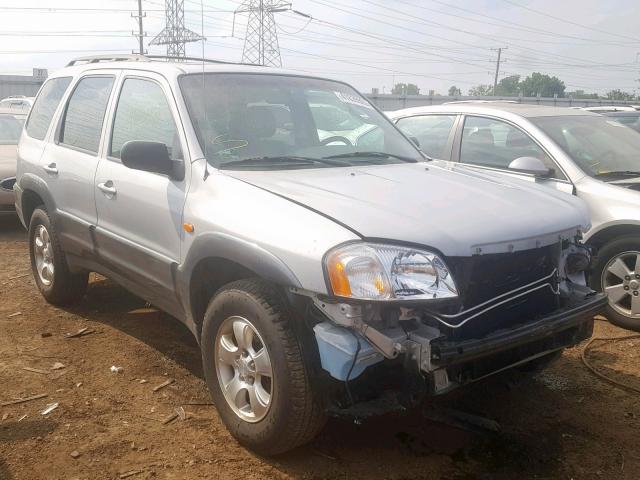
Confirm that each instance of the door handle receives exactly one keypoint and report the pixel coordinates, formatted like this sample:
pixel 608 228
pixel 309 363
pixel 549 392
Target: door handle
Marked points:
pixel 51 168
pixel 107 188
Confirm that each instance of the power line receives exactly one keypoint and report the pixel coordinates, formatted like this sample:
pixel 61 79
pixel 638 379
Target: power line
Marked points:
pixel 564 20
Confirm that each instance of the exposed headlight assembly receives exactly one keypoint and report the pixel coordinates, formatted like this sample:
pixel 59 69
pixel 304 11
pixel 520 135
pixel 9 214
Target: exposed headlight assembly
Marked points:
pixel 368 271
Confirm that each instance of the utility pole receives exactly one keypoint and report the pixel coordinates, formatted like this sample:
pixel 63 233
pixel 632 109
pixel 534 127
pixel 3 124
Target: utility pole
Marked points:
pixel 261 40
pixel 495 79
pixel 175 35
pixel 140 33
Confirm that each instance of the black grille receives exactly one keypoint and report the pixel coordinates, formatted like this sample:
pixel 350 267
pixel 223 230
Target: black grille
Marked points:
pixel 483 277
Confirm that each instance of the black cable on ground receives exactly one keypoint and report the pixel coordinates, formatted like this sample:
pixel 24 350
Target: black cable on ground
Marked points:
pixel 602 376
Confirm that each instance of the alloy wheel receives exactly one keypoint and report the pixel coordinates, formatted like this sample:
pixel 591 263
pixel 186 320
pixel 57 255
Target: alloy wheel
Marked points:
pixel 43 254
pixel 621 283
pixel 244 370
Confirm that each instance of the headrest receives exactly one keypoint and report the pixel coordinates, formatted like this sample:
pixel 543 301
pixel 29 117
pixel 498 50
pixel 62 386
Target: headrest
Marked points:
pixel 254 122
pixel 482 135
pixel 517 139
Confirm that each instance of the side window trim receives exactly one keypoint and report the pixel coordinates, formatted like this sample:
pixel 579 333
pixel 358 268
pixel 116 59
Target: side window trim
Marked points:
pixel 113 110
pixel 63 113
pixel 458 148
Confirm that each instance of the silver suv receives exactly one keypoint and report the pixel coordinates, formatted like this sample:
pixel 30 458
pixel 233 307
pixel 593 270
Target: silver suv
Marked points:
pixel 318 273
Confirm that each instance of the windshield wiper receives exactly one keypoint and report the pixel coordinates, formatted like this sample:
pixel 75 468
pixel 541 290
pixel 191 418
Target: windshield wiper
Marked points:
pixel 619 173
pixel 279 161
pixel 372 155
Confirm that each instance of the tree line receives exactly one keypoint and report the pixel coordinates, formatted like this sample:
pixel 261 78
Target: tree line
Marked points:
pixel 534 85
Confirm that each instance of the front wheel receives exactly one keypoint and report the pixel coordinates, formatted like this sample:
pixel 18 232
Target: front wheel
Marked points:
pixel 616 272
pixel 255 369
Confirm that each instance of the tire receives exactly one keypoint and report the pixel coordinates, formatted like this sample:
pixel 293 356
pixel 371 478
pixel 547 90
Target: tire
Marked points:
pixel 59 287
pixel 623 247
pixel 295 413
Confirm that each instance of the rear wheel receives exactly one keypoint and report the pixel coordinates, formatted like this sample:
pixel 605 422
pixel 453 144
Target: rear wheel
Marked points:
pixel 616 272
pixel 57 284
pixel 256 371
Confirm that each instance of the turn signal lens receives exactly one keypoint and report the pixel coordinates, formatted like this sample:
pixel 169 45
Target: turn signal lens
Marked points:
pixel 355 271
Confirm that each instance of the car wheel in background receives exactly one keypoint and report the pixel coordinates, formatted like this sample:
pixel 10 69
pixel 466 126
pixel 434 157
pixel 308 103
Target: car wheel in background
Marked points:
pixel 256 371
pixel 57 284
pixel 616 272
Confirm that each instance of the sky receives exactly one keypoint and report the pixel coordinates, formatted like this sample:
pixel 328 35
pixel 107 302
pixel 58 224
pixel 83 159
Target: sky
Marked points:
pixel 589 44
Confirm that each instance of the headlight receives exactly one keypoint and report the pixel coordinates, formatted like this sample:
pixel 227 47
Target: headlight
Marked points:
pixel 385 272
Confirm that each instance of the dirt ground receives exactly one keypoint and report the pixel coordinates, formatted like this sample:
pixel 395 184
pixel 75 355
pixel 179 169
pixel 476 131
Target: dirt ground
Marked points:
pixel 564 423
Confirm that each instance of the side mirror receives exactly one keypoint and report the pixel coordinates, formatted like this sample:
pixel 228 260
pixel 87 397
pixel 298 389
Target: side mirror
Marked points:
pixel 531 165
pixel 151 157
pixel 415 141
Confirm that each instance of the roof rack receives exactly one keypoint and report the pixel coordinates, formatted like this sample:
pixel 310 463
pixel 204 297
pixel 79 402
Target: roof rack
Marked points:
pixel 145 58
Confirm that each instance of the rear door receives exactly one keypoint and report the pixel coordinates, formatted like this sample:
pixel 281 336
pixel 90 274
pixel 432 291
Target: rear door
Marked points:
pixel 491 144
pixel 434 133
pixel 139 232
pixel 69 163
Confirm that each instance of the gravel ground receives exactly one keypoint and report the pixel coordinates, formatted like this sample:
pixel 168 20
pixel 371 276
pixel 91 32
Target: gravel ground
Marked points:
pixel 564 423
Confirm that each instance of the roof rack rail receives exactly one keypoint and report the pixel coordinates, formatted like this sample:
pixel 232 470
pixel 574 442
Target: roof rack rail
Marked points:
pixel 145 58
pixel 108 58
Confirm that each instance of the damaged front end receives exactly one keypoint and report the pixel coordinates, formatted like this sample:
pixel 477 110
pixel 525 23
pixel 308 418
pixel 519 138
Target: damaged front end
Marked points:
pixel 505 309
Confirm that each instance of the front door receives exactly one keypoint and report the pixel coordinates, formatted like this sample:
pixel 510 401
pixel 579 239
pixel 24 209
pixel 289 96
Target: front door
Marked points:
pixel 489 143
pixel 139 232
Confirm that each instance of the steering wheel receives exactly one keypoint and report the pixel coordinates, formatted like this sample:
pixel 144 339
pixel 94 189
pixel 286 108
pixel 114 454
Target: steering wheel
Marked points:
pixel 336 138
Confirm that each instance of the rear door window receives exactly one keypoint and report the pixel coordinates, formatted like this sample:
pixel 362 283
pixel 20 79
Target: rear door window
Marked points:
pixel 432 131
pixel 45 106
pixel 82 124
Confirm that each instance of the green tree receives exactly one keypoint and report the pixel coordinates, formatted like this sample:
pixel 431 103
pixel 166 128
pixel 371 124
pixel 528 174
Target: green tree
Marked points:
pixel 405 89
pixel 509 86
pixel 481 91
pixel 618 94
pixel 542 85
pixel 454 91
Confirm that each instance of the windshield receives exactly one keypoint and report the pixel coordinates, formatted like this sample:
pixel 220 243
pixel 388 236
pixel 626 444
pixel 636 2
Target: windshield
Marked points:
pixel 599 145
pixel 10 128
pixel 252 120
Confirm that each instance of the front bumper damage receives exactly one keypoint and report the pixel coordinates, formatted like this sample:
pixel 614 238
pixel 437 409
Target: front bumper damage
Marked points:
pixel 348 344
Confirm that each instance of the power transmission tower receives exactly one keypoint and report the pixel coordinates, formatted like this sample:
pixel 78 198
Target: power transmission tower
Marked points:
pixel 140 35
pixel 175 35
pixel 261 40
pixel 495 79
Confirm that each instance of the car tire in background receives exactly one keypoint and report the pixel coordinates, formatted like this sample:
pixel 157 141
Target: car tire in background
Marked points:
pixel 256 370
pixel 616 271
pixel 58 285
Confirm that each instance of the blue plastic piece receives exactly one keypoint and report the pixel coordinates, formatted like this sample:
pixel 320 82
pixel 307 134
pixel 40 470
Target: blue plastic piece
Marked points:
pixel 338 347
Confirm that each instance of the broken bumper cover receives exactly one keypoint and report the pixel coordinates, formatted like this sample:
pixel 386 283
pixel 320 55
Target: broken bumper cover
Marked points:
pixel 454 363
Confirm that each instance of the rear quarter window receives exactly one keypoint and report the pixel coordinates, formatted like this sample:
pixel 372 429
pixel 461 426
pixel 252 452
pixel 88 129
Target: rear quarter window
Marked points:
pixel 45 106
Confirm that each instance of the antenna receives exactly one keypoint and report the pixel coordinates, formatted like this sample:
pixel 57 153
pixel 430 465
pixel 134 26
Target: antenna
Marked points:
pixel 261 41
pixel 175 35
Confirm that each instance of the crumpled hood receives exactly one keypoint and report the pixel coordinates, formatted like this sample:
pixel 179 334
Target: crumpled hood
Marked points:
pixel 454 210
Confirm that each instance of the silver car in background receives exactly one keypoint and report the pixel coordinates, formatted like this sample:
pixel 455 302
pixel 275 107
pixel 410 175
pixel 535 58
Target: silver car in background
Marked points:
pixel 569 150
pixel 11 122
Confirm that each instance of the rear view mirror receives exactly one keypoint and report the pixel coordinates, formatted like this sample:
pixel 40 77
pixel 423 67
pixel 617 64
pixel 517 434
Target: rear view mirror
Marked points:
pixel 530 165
pixel 151 157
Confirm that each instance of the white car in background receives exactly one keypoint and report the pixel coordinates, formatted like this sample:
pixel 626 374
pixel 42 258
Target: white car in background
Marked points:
pixel 11 122
pixel 17 102
pixel 574 151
